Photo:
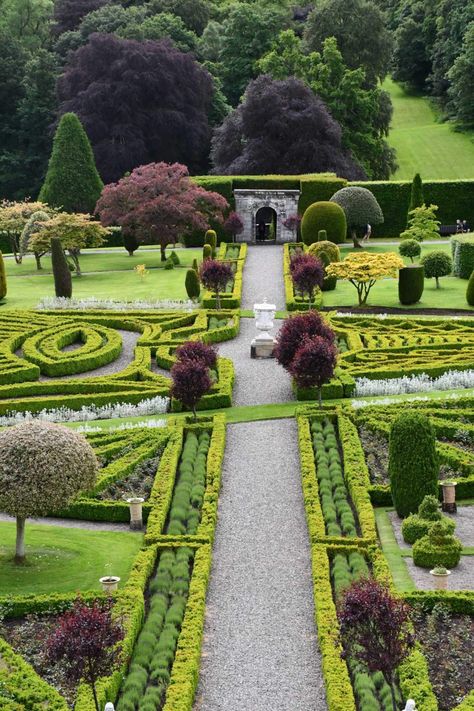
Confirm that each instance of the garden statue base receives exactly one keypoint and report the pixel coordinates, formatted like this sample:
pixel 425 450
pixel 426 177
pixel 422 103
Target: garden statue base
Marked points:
pixel 262 346
pixel 449 507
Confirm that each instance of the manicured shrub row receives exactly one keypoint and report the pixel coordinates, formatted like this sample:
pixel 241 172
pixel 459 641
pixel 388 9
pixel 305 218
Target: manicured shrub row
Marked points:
pixel 230 299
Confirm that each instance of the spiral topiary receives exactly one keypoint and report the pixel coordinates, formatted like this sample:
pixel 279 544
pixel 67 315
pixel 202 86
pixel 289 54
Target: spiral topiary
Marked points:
pixel 438 548
pixel 418 525
pixel 323 216
pixel 43 466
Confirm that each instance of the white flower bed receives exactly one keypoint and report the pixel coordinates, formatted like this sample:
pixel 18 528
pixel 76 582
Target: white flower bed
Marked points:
pixel 151 424
pixel 453 380
pixel 151 406
pixel 61 303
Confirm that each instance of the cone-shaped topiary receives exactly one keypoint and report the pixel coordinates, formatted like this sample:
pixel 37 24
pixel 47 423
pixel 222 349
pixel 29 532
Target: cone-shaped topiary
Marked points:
pixel 411 282
pixel 61 271
pixel 72 181
pixel 3 278
pixel 470 290
pixel 191 284
pixel 416 196
pixel 323 216
pixel 130 243
pixel 413 464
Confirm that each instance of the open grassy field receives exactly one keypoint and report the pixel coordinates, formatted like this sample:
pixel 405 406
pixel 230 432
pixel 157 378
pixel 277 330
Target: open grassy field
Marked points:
pixel 423 144
pixel 64 559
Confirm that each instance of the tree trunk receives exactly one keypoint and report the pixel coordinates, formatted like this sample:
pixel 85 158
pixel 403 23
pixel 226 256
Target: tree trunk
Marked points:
pixel 394 698
pixel 218 300
pixel 38 260
pixel 20 540
pixel 163 252
pixel 437 282
pixel 194 413
pixel 75 258
pixel 355 239
pixel 320 398
pixel 15 248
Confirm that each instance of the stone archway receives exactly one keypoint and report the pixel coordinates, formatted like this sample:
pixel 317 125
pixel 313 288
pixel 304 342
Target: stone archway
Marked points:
pixel 265 224
pixel 248 203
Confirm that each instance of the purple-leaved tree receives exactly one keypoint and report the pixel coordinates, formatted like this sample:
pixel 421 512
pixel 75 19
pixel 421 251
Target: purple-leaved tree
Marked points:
pixel 293 332
pixel 215 275
pixel 314 363
pixel 307 273
pixel 197 350
pixel 191 381
pixel 233 225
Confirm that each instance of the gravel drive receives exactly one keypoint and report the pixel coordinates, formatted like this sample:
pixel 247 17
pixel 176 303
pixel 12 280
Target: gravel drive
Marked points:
pixel 263 276
pixel 73 523
pixel 260 649
pixel 464 519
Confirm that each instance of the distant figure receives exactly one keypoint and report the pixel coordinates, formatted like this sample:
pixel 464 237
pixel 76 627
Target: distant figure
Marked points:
pixel 465 226
pixel 368 232
pixel 459 226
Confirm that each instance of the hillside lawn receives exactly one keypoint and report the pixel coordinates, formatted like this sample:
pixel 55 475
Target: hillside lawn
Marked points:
pixel 423 144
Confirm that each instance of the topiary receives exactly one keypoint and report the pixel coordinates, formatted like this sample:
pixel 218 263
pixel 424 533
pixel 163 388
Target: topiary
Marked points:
pixel 61 272
pixel 323 216
pixel 322 236
pixel 418 525
pixel 72 181
pixel 195 266
pixel 360 208
pixel 3 278
pixel 409 248
pixel 470 290
pixel 169 264
pixel 211 238
pixel 413 465
pixel 437 264
pixel 174 257
pixel 438 548
pixel 130 243
pixel 207 252
pixel 416 195
pixel 327 252
pixel 411 282
pixel 191 283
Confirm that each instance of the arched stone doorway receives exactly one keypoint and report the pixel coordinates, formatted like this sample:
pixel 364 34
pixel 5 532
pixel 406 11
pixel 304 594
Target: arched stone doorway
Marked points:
pixel 265 224
pixel 281 203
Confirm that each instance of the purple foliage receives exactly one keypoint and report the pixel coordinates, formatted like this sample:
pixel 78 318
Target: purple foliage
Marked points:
pixel 294 331
pixel 233 224
pixel 69 13
pixel 314 362
pixel 292 222
pixel 196 350
pixel 307 273
pixel 191 381
pixel 215 275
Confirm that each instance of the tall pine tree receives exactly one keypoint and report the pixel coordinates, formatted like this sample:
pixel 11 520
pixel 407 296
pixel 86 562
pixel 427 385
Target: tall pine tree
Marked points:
pixel 72 181
pixel 416 196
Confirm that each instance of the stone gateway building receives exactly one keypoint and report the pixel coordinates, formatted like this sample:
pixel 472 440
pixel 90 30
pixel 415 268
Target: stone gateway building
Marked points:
pixel 263 213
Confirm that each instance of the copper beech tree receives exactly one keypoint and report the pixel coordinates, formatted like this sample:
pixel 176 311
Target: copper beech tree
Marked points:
pixel 159 203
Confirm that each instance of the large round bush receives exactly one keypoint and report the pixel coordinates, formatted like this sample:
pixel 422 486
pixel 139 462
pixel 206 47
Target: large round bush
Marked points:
pixel 42 467
pixel 413 464
pixel 323 216
pixel 360 208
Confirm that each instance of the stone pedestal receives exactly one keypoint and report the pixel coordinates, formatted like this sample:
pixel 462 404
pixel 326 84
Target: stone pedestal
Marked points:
pixel 263 345
pixel 449 496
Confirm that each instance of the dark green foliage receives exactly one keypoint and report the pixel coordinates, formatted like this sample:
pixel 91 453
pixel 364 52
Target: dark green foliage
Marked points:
pixel 416 196
pixel 437 264
pixel 174 258
pixel 325 216
pixel 438 548
pixel 413 462
pixel 169 264
pixel 409 248
pixel 191 284
pixel 327 252
pixel 470 290
pixel 418 525
pixel 207 251
pixel 195 266
pixel 322 236
pixel 3 278
pixel 211 238
pixel 411 282
pixel 130 243
pixel 72 181
pixel 462 249
pixel 61 271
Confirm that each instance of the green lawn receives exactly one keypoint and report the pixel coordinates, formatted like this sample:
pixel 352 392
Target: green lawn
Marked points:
pixel 64 559
pixel 423 144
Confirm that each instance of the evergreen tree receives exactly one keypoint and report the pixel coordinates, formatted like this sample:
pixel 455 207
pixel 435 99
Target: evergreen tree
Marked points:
pixel 61 271
pixel 416 196
pixel 72 181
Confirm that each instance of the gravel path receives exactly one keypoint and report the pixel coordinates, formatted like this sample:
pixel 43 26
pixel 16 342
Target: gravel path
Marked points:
pixel 73 523
pixel 260 646
pixel 464 519
pixel 263 276
pixel 461 578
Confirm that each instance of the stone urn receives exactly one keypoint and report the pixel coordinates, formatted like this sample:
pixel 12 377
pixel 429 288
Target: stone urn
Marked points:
pixel 263 345
pixel 109 583
pixel 449 496
pixel 136 513
pixel 440 578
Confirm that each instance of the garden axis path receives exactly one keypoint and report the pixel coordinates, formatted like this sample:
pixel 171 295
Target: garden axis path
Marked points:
pixel 260 650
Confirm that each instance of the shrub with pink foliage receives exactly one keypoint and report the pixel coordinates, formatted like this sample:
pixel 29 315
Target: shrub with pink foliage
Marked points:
pixel 196 350
pixel 294 331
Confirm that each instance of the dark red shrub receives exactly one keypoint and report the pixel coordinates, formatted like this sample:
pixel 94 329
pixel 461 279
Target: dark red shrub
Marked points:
pixel 191 381
pixel 233 224
pixel 215 275
pixel 196 350
pixel 314 363
pixel 293 332
pixel 307 273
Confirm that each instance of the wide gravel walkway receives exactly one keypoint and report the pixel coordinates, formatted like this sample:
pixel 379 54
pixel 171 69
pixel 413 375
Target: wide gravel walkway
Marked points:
pixel 260 648
pixel 263 276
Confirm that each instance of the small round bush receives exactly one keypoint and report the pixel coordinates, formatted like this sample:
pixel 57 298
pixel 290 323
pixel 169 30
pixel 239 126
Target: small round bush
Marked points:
pixel 470 290
pixel 413 464
pixel 437 264
pixel 410 248
pixel 438 548
pixel 323 216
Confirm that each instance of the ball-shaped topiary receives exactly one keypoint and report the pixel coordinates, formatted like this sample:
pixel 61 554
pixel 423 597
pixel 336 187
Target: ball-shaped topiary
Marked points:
pixel 323 216
pixel 42 467
pixel 470 290
pixel 437 264
pixel 327 252
pixel 410 248
pixel 360 208
pixel 413 464
pixel 439 547
pixel 411 283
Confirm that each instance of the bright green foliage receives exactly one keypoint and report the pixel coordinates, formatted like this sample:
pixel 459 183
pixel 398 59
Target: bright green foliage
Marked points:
pixel 416 196
pixel 422 224
pixel 323 216
pixel 61 271
pixel 418 525
pixel 72 181
pixel 470 290
pixel 207 251
pixel 160 26
pixel 438 548
pixel 413 462
pixel 411 282
pixel 409 248
pixel 3 278
pixel 211 238
pixel 437 264
pixel 195 266
pixel 192 285
pixel 32 227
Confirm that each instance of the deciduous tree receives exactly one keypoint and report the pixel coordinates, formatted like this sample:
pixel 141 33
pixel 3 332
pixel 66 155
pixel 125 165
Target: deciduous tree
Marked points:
pixel 314 363
pixel 215 275
pixel 295 330
pixel 307 273
pixel 197 350
pixel 158 202
pixel 233 225
pixel 364 269
pixel 191 381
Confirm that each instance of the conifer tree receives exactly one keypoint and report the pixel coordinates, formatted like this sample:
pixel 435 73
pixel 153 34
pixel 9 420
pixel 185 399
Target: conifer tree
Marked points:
pixel 72 181
pixel 416 196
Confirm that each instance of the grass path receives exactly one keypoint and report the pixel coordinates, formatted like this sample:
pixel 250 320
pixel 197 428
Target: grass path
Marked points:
pixel 423 145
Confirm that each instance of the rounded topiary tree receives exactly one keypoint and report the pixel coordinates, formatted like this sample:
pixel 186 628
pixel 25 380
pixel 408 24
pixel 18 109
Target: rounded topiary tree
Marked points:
pixel 42 467
pixel 72 181
pixel 360 208
pixel 411 282
pixel 437 264
pixel 323 216
pixel 191 284
pixel 470 290
pixel 410 248
pixel 3 278
pixel 413 464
